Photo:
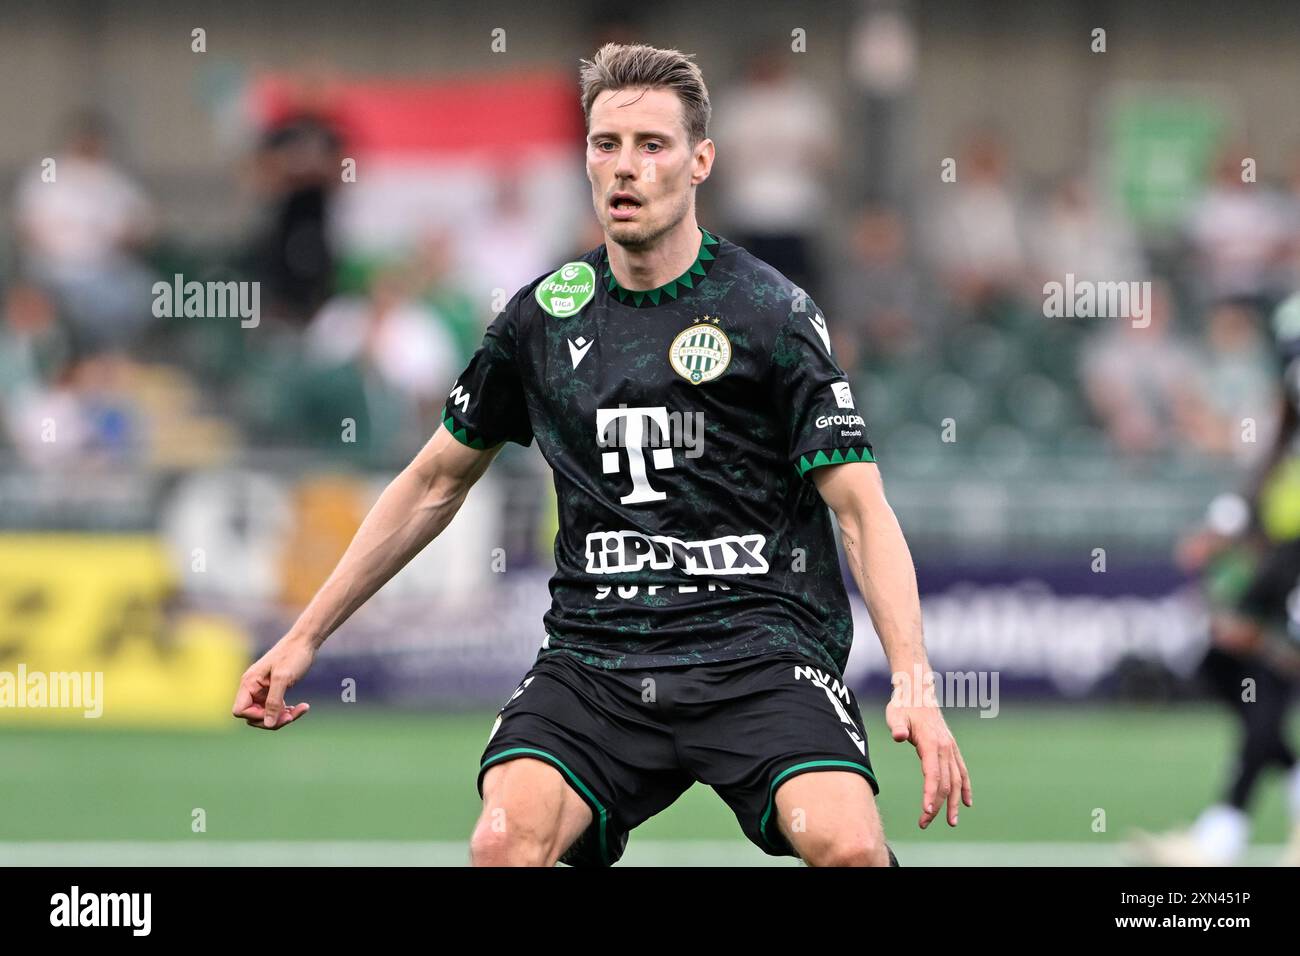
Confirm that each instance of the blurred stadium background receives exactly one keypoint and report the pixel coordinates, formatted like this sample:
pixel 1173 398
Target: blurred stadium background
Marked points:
pixel 173 489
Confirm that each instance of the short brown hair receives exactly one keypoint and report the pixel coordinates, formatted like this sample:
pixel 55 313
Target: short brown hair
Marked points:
pixel 618 66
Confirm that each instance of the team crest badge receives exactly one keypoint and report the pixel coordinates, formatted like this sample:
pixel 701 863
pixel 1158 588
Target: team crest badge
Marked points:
pixel 701 353
pixel 566 290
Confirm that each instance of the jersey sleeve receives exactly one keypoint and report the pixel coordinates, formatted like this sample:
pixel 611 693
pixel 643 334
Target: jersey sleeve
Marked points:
pixel 823 424
pixel 486 405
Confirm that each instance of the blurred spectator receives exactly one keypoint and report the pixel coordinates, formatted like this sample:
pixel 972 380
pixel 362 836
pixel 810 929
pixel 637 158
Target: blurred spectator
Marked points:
pixel 33 354
pixel 1292 271
pixel 776 137
pixel 1240 381
pixel 81 226
pixel 881 311
pixel 33 345
pixel 505 249
pixel 436 281
pixel 297 167
pixel 1239 234
pixel 1142 383
pixel 1074 234
pixel 978 230
pixel 398 353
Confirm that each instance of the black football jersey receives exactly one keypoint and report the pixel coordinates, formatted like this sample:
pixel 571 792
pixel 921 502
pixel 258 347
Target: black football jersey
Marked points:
pixel 682 424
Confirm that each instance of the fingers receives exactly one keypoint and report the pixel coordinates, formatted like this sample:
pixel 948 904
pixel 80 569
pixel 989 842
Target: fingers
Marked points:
pixel 967 795
pixel 945 775
pixel 945 780
pixel 898 728
pixel 932 778
pixel 275 699
pixel 287 716
pixel 954 776
pixel 250 696
pixel 259 701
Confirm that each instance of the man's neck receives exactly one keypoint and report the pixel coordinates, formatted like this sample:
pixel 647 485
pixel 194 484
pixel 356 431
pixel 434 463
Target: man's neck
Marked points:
pixel 638 270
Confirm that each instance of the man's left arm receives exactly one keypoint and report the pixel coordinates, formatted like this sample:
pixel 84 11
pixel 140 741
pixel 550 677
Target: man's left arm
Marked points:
pixel 881 564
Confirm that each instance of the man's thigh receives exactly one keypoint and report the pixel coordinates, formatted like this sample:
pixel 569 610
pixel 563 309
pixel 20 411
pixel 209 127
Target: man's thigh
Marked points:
pixel 531 815
pixel 609 748
pixel 747 728
pixel 830 818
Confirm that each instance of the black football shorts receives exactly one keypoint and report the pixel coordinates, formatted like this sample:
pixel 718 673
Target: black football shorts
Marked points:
pixel 630 742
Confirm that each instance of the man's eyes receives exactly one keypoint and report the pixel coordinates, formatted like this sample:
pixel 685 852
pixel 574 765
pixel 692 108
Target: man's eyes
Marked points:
pixel 658 147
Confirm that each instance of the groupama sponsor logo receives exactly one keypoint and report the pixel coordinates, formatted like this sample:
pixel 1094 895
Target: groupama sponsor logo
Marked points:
pixel 826 421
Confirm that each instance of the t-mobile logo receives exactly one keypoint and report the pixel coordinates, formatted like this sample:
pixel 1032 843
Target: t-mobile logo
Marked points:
pixel 631 422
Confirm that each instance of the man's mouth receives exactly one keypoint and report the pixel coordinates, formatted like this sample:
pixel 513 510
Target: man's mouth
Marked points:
pixel 623 206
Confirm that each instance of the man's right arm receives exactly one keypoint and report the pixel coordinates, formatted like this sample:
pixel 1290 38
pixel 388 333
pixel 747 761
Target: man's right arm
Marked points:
pixel 413 510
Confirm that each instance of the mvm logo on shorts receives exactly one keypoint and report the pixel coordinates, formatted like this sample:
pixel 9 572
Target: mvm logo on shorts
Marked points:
pixel 835 692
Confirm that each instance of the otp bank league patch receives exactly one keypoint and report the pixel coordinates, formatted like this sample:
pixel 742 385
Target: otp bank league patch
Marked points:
pixel 566 290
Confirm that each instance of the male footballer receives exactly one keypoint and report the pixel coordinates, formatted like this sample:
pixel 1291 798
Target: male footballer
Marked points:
pixel 685 396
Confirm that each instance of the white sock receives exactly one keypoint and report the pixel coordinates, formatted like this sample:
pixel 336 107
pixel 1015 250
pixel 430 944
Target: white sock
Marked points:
pixel 1221 832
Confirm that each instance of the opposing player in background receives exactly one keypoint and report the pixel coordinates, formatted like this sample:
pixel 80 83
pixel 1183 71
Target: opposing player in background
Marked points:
pixel 1250 554
pixel 685 396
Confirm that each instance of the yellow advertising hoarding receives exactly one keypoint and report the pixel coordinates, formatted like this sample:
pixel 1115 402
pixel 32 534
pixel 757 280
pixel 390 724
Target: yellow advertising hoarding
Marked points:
pixel 87 636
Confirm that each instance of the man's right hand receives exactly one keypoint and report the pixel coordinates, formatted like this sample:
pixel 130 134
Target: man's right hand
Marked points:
pixel 260 700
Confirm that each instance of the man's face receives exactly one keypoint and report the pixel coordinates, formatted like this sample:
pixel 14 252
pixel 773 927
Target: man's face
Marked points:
pixel 638 146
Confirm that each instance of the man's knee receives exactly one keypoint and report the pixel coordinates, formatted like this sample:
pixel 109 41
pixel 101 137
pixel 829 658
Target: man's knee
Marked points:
pixel 860 849
pixel 830 818
pixel 530 815
pixel 509 846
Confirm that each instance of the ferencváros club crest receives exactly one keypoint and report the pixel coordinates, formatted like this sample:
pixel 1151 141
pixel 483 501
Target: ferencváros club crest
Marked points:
pixel 701 353
pixel 566 290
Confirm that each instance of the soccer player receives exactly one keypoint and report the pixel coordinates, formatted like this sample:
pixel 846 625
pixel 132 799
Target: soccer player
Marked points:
pixel 1250 553
pixel 685 396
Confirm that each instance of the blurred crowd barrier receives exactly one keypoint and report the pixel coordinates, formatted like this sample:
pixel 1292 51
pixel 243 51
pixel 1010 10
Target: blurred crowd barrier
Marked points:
pixel 1026 595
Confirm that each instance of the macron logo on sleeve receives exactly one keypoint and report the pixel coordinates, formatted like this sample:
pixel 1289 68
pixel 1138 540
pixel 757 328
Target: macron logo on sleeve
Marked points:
pixel 460 398
pixel 819 326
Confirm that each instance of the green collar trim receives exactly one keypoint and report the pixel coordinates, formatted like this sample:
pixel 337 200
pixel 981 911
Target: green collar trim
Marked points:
pixel 669 290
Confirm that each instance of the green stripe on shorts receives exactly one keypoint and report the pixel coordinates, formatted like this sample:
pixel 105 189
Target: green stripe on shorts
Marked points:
pixel 771 794
pixel 573 779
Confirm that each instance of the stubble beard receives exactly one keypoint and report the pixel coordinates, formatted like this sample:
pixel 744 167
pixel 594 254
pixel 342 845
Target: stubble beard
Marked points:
pixel 639 237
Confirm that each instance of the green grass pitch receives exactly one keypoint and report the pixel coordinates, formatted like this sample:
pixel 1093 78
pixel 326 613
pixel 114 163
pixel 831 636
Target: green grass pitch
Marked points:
pixel 399 787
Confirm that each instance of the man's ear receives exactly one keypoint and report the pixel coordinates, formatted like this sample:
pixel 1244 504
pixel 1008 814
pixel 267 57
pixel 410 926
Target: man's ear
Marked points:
pixel 706 145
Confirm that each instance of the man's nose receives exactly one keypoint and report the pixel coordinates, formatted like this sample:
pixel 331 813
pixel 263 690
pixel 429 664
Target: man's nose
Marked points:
pixel 626 166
